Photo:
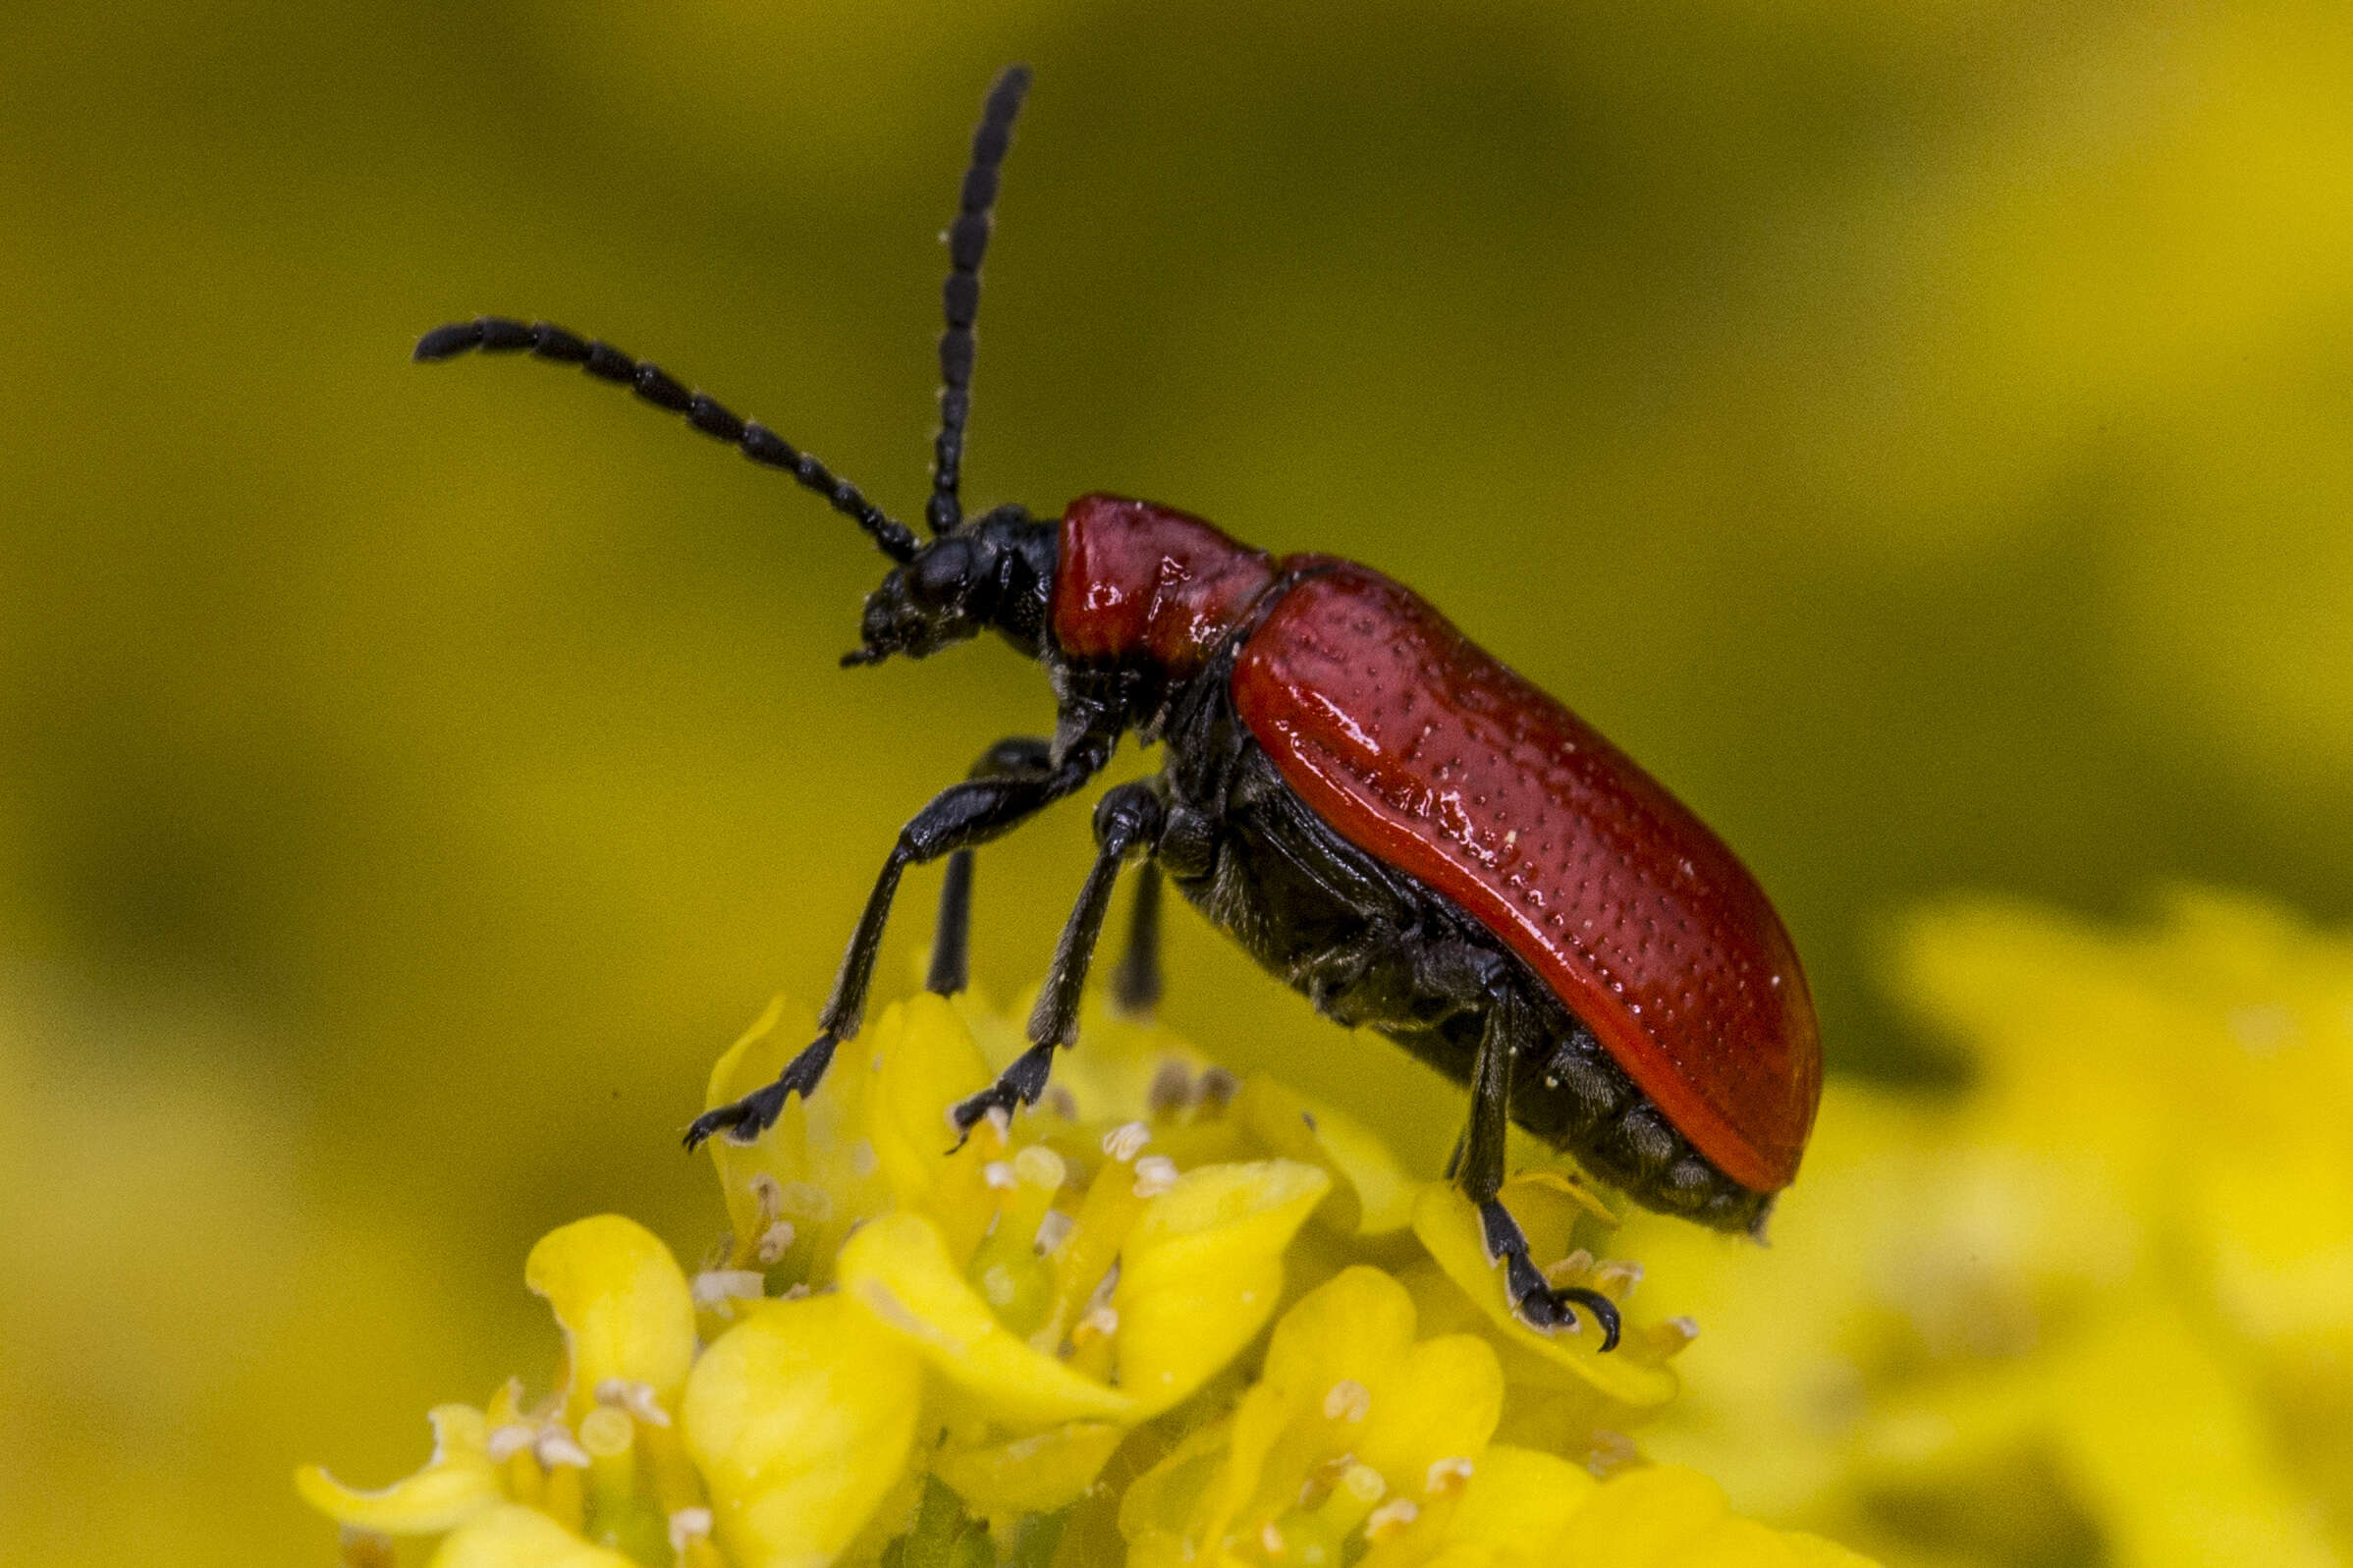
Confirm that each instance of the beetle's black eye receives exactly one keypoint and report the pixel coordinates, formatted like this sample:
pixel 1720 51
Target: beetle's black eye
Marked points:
pixel 939 576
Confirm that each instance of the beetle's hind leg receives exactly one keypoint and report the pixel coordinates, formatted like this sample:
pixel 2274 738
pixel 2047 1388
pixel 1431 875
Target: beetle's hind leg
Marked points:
pixel 951 970
pixel 1478 1169
pixel 1128 822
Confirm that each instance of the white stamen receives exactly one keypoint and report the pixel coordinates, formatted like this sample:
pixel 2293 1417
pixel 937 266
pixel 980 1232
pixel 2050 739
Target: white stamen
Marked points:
pixel 1053 1231
pixel 1390 1517
pixel 1126 1141
pixel 1154 1176
pixel 1041 1168
pixel 772 1243
pixel 1100 1319
pixel 1348 1401
pixel 633 1397
pixel 1689 1328
pixel 713 1288
pixel 1271 1538
pixel 1618 1278
pixel 999 1176
pixel 687 1526
pixel 556 1445
pixel 509 1440
pixel 1447 1476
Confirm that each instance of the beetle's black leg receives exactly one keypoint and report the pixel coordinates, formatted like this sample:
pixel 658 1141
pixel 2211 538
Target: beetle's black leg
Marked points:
pixel 1135 984
pixel 1128 821
pixel 1480 1170
pixel 950 968
pixel 958 817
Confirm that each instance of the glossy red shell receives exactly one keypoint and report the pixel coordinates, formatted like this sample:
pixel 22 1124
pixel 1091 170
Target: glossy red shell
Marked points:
pixel 1422 749
pixel 1134 578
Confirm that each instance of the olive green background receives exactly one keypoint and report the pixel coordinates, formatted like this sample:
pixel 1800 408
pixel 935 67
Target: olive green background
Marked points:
pixel 1920 430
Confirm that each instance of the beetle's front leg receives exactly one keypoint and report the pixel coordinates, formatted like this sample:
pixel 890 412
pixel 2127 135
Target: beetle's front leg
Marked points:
pixel 1128 821
pixel 1479 1170
pixel 950 968
pixel 958 818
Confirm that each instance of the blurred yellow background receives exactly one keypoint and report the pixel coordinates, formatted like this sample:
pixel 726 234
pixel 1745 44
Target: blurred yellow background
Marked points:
pixel 1923 433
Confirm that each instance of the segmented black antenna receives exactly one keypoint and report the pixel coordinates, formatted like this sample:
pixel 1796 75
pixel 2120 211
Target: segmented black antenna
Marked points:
pixel 499 335
pixel 967 242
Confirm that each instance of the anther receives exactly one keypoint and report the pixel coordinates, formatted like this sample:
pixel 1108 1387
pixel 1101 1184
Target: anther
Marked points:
pixel 1390 1517
pixel 1041 1168
pixel 556 1445
pixel 1154 1176
pixel 774 1242
pixel 1126 1141
pixel 1348 1401
pixel 1447 1476
pixel 689 1526
pixel 634 1395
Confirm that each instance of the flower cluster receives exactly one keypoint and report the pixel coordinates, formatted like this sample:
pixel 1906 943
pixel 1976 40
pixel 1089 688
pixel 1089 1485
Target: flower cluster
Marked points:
pixel 2096 1307
pixel 1053 1345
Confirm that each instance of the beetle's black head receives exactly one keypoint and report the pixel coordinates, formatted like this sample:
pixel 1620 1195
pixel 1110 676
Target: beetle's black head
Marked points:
pixel 995 572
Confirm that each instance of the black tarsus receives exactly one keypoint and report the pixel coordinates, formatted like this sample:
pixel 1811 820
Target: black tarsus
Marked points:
pixel 1128 822
pixel 1478 1170
pixel 546 340
pixel 967 242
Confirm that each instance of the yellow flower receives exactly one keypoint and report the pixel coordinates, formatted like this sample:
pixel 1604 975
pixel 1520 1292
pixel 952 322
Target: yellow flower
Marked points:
pixel 1013 1350
pixel 2101 1301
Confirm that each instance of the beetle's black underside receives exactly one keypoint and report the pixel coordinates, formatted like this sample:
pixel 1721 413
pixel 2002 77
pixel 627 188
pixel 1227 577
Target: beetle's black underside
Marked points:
pixel 1376 947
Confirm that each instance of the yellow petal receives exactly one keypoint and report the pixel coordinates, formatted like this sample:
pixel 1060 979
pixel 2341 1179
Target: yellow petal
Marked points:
pixel 1642 1518
pixel 1814 1552
pixel 1202 1271
pixel 925 1062
pixel 897 1270
pixel 456 1482
pixel 624 1303
pixel 1358 1322
pixel 1035 1475
pixel 511 1536
pixel 1518 1506
pixel 1441 1401
pixel 1278 1120
pixel 1449 1226
pixel 801 1419
pixel 1733 1542
pixel 1385 1192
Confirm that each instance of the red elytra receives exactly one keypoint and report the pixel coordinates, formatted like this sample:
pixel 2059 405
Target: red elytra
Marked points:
pixel 1427 752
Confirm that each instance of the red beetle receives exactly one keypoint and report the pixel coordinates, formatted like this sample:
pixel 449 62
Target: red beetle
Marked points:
pixel 1383 814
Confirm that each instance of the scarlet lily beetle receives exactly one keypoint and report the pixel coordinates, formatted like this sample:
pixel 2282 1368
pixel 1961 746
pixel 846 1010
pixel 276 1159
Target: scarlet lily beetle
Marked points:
pixel 1384 815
